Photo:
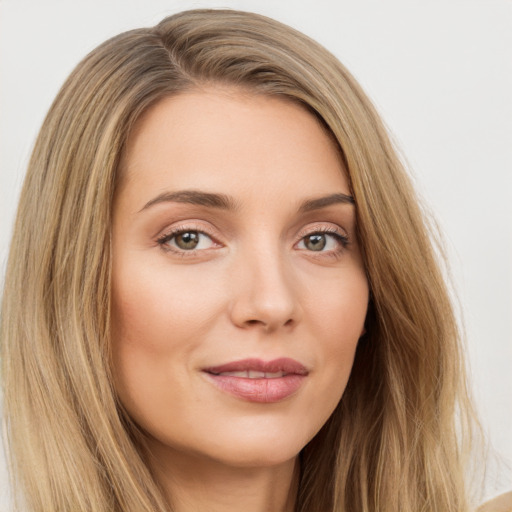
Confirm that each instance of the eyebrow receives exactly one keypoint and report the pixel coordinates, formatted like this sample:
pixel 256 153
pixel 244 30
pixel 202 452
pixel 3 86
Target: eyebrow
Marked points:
pixel 196 197
pixel 225 202
pixel 325 201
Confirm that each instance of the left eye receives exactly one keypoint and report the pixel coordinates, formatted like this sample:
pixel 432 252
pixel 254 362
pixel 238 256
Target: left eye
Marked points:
pixel 187 240
pixel 318 242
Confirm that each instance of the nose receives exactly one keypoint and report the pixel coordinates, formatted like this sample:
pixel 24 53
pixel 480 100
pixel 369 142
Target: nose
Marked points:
pixel 265 293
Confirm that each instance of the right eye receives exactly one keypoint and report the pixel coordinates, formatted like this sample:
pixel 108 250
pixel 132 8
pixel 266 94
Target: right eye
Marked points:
pixel 186 240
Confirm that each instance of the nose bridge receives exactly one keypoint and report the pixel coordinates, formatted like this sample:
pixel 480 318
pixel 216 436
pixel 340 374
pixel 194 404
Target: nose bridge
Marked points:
pixel 265 293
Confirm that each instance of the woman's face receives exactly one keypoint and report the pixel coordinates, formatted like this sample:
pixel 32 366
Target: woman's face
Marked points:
pixel 239 293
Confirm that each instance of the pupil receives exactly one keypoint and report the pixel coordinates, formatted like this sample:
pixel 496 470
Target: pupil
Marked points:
pixel 315 242
pixel 188 240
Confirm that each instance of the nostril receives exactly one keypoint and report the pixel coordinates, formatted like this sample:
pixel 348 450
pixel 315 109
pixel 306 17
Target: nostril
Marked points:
pixel 253 322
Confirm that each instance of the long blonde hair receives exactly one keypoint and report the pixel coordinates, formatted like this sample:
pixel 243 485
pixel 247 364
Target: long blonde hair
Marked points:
pixel 397 439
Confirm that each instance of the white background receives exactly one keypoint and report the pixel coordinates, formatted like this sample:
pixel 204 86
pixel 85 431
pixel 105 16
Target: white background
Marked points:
pixel 440 73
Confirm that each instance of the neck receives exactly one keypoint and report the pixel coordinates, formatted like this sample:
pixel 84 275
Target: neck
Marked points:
pixel 193 484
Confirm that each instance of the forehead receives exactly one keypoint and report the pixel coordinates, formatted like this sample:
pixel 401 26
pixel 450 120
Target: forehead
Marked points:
pixel 227 140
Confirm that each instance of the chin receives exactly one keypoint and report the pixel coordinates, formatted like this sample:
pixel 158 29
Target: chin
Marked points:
pixel 256 455
pixel 239 448
pixel 259 447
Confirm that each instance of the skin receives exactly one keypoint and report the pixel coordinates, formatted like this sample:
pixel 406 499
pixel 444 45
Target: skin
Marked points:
pixel 263 282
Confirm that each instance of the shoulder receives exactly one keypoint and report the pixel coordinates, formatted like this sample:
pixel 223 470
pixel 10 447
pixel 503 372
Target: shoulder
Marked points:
pixel 502 503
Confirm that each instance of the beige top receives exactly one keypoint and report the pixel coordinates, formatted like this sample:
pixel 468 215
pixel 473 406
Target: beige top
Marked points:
pixel 502 503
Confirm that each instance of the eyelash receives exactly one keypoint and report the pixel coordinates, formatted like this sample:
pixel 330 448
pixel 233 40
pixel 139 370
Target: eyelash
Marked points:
pixel 341 239
pixel 168 236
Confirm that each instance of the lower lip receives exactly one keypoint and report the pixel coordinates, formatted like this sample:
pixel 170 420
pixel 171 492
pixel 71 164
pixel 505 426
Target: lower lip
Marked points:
pixel 259 390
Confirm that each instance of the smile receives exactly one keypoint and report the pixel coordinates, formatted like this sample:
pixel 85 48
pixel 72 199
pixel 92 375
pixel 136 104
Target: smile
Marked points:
pixel 254 380
pixel 252 374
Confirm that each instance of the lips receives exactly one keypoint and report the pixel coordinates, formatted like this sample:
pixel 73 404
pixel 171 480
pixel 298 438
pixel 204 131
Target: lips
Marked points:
pixel 260 381
pixel 252 374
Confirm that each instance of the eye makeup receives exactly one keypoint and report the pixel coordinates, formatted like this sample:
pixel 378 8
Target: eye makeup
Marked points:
pixel 190 240
pixel 187 240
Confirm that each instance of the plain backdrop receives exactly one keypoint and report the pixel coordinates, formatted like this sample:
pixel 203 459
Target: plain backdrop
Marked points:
pixel 440 73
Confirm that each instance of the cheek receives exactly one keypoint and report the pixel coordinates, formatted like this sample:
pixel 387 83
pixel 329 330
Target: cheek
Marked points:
pixel 336 316
pixel 158 320
pixel 337 307
pixel 161 320
pixel 154 306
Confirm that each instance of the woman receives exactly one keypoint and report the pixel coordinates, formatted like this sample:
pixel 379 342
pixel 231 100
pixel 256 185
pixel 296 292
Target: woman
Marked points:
pixel 230 295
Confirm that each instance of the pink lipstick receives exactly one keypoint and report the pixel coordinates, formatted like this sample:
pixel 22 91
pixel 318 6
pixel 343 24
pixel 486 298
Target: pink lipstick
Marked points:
pixel 255 380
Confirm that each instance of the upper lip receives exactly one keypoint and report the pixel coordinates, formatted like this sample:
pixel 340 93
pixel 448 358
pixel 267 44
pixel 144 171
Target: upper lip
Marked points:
pixel 283 364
